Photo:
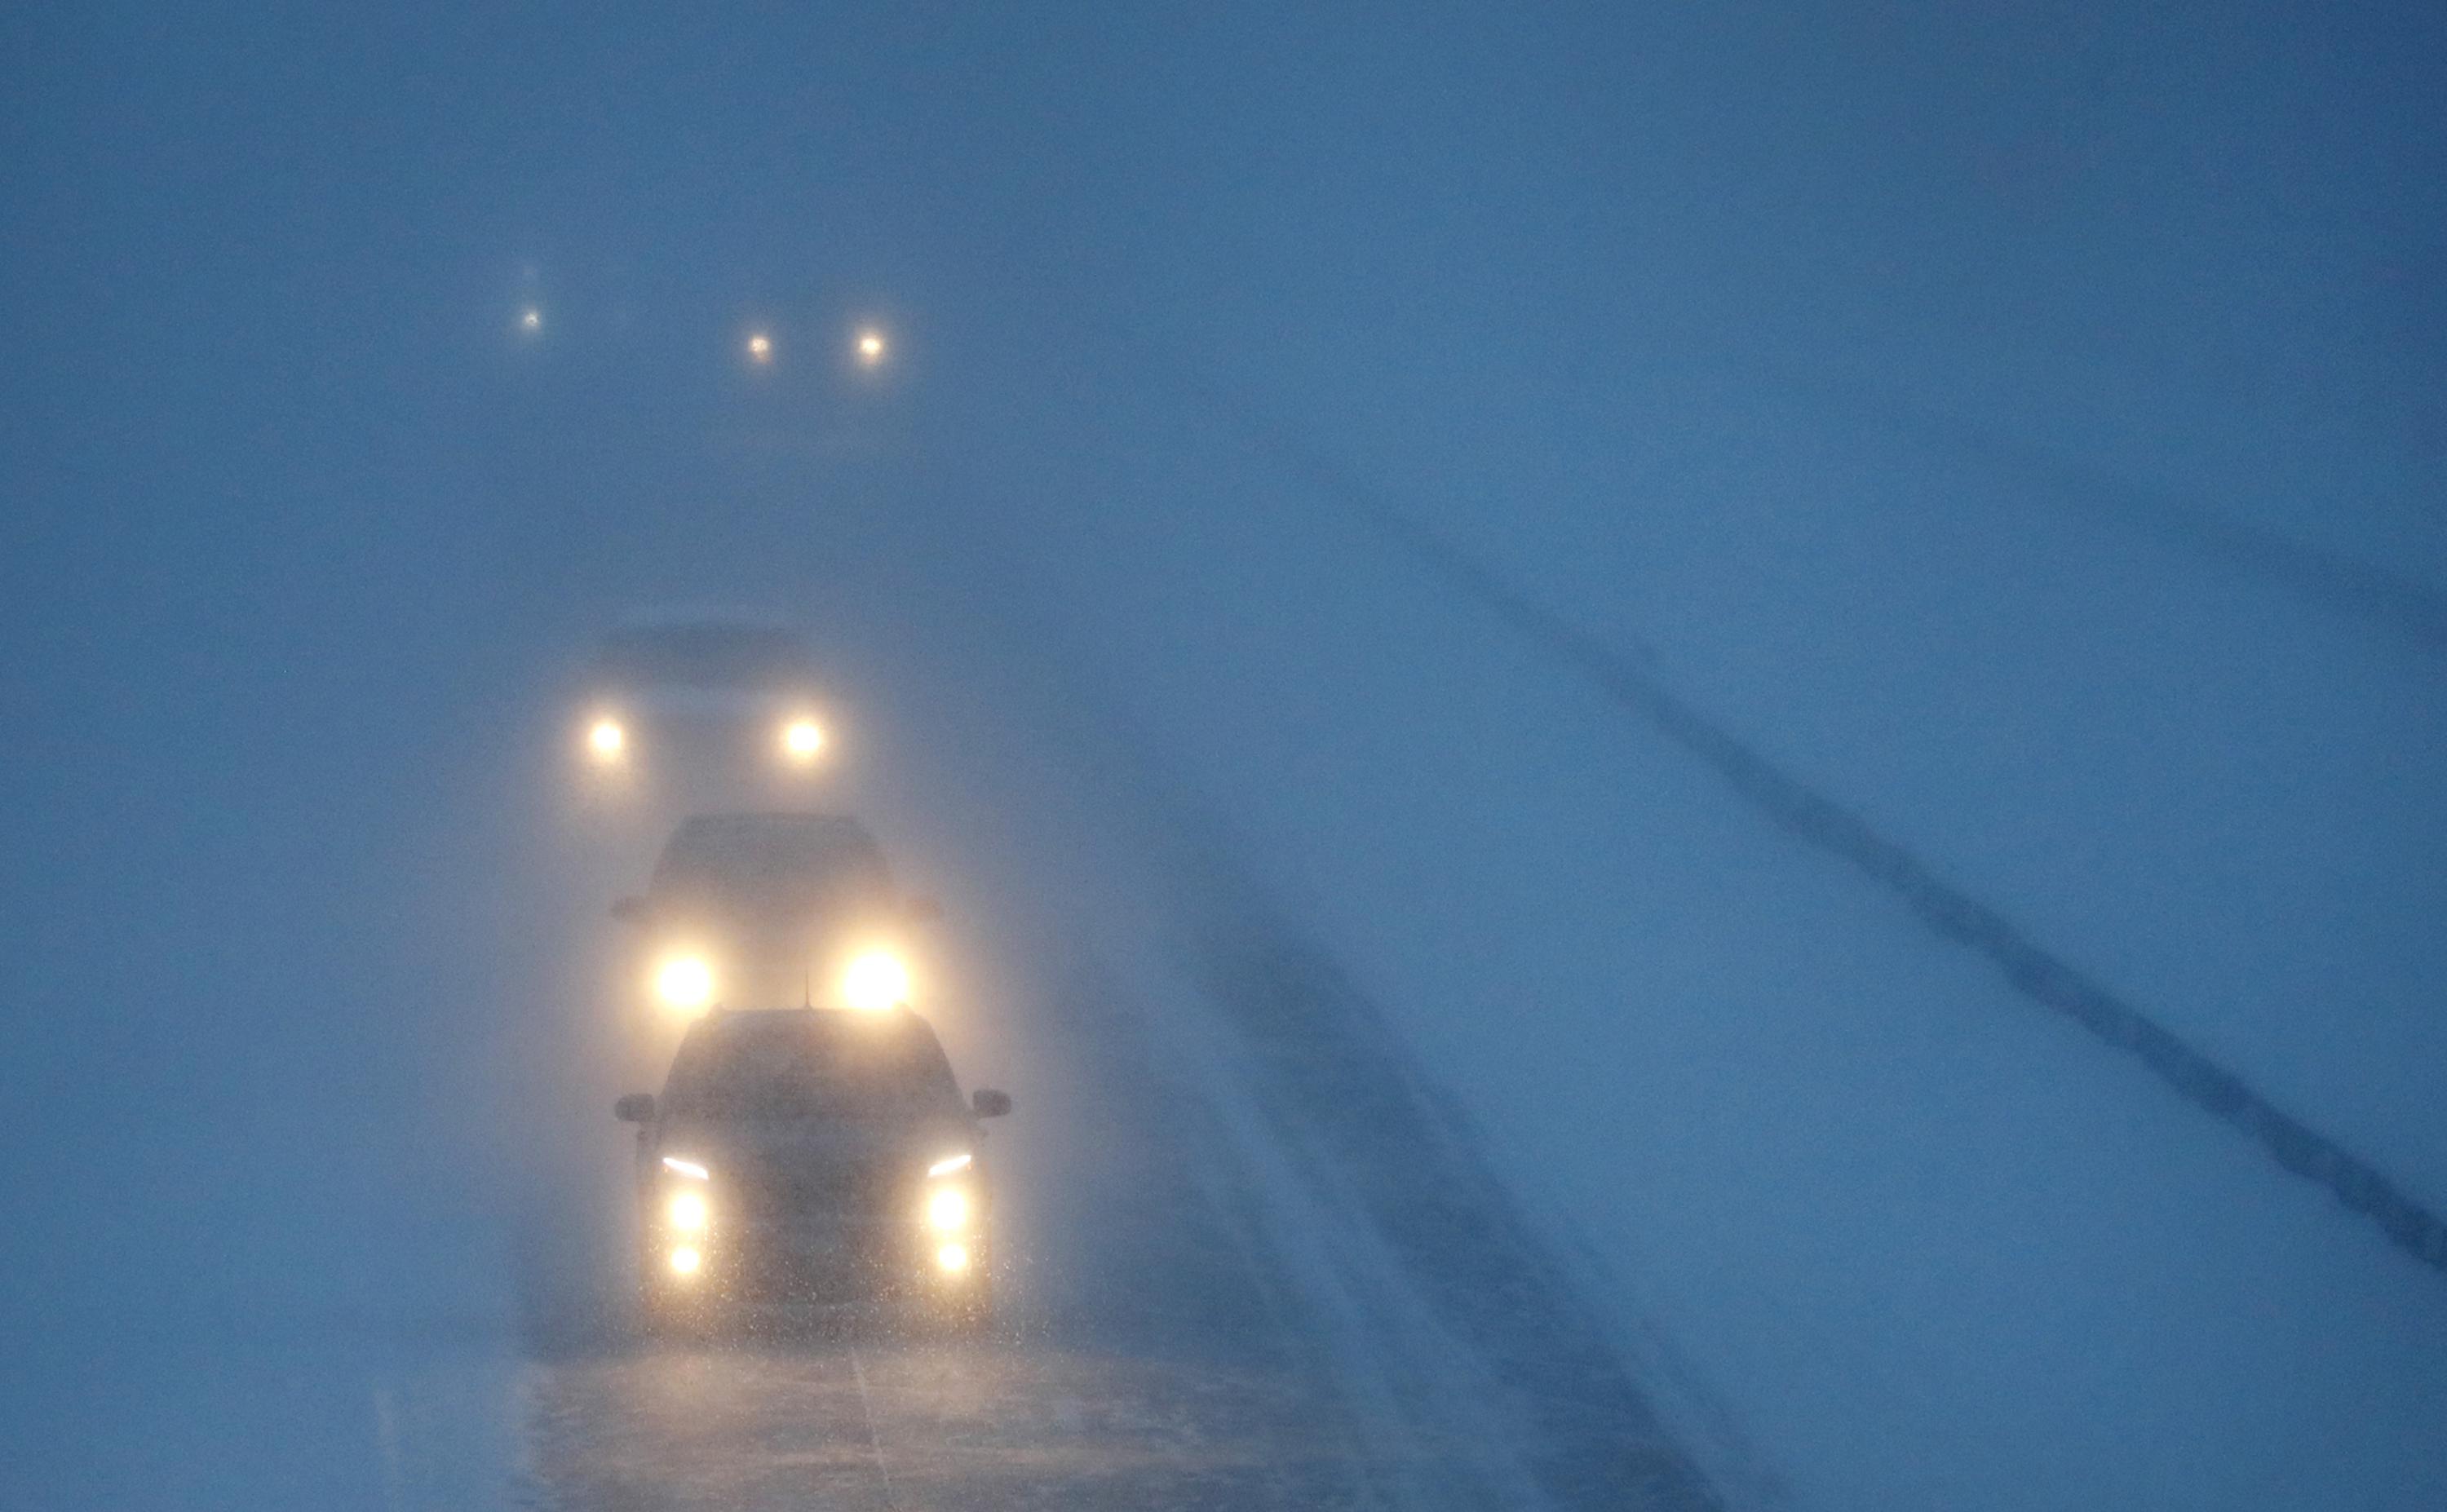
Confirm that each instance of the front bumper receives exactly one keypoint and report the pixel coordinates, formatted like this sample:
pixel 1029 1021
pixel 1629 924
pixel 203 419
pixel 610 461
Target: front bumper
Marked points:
pixel 820 1261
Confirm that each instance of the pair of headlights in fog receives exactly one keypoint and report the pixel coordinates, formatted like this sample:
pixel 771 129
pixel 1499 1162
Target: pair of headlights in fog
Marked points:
pixel 947 1210
pixel 872 982
pixel 686 1216
pixel 947 1214
pixel 801 741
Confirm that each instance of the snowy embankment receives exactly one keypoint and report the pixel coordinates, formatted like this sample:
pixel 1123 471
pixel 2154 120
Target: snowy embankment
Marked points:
pixel 1936 1246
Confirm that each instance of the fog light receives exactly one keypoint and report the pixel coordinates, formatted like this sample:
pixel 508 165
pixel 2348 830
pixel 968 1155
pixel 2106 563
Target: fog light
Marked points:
pixel 686 1260
pixel 948 1210
pixel 952 1257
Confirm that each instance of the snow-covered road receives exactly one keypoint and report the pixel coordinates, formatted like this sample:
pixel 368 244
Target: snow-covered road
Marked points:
pixel 1253 1259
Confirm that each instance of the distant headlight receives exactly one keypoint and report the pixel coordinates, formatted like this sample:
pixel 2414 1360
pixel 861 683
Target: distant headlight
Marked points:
pixel 687 1168
pixel 606 741
pixel 685 983
pixel 942 1167
pixel 947 1211
pixel 687 1212
pixel 876 981
pixel 803 741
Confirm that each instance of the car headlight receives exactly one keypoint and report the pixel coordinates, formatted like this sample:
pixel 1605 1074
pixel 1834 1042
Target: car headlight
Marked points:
pixel 947 1211
pixel 687 1212
pixel 685 1258
pixel 952 1258
pixel 875 981
pixel 685 983
pixel 606 741
pixel 803 741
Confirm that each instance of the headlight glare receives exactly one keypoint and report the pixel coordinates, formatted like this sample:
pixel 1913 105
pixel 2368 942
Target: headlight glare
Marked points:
pixel 685 983
pixel 875 981
pixel 803 741
pixel 947 1211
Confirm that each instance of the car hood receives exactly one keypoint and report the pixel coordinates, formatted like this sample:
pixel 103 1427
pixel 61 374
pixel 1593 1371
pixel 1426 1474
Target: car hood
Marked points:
pixel 816 1158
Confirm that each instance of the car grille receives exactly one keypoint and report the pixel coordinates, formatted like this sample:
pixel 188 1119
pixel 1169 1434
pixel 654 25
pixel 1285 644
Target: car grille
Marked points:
pixel 785 1193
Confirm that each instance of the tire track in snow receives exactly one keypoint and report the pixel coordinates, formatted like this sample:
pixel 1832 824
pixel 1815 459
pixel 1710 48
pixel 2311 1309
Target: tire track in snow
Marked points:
pixel 1344 1097
pixel 1820 821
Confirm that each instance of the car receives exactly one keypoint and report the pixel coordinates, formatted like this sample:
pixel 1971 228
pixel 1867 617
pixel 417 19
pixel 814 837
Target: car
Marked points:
pixel 699 708
pixel 813 1158
pixel 774 910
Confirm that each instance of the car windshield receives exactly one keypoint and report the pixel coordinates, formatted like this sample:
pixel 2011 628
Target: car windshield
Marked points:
pixel 811 1064
pixel 708 654
pixel 763 864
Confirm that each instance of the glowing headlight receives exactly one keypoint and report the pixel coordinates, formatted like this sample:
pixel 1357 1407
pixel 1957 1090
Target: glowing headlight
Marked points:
pixel 870 348
pixel 687 1168
pixel 760 348
pixel 685 983
pixel 685 1260
pixel 942 1167
pixel 802 740
pixel 953 1256
pixel 947 1211
pixel 606 741
pixel 876 981
pixel 687 1213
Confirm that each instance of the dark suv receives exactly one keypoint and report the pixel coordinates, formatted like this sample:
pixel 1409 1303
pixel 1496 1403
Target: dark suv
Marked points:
pixel 814 1156
pixel 701 709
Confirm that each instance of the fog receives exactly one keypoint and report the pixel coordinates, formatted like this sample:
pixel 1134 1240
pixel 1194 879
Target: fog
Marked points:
pixel 2020 430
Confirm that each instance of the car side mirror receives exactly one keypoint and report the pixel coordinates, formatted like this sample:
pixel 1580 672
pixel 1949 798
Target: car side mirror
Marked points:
pixel 922 910
pixel 630 910
pixel 987 1102
pixel 639 1107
